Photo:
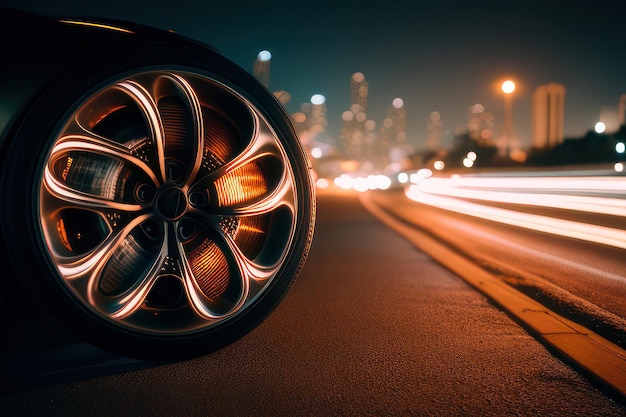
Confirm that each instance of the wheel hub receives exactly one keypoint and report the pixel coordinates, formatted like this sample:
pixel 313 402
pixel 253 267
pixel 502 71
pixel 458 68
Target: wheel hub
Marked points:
pixel 171 203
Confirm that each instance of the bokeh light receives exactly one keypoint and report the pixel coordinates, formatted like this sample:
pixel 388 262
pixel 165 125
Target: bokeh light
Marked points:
pixel 600 127
pixel 264 56
pixel 439 165
pixel 318 99
pixel 508 87
pixel 316 153
pixel 322 183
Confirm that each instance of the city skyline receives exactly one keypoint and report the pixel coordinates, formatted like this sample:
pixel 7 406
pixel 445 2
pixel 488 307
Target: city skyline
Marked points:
pixel 547 123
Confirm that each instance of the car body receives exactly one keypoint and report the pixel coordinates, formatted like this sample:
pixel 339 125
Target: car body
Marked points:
pixel 155 197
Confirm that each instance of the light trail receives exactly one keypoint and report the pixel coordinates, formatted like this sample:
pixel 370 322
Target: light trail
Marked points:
pixel 503 190
pixel 587 194
pixel 614 185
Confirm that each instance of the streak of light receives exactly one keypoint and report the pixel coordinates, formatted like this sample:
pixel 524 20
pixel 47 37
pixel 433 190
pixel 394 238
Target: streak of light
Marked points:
pixel 588 232
pixel 96 25
pixel 448 193
pixel 595 185
pixel 600 205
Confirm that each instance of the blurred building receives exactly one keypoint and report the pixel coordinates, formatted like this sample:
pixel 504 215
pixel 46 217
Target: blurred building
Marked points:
pixel 393 129
pixel 356 131
pixel 548 108
pixel 311 121
pixel 261 68
pixel 622 110
pixel 480 125
pixel 392 137
pixel 434 131
pixel 317 115
pixel 359 90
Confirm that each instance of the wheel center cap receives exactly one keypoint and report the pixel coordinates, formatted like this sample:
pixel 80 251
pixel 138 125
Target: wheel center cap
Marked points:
pixel 171 203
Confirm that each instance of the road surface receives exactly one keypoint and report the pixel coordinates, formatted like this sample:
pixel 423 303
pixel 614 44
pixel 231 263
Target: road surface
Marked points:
pixel 372 327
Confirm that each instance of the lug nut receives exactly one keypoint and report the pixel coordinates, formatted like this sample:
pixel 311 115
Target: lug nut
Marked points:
pixel 197 199
pixel 186 230
pixel 144 193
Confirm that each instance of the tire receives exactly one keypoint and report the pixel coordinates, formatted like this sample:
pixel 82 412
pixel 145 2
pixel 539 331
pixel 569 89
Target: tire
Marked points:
pixel 157 200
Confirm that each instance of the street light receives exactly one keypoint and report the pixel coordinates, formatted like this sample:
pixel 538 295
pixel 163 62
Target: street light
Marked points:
pixel 508 87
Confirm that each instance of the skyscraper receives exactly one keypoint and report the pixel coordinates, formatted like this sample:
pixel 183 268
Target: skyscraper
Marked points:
pixel 548 105
pixel 261 68
pixel 359 90
pixel 480 124
pixel 354 131
pixel 434 131
pixel 397 113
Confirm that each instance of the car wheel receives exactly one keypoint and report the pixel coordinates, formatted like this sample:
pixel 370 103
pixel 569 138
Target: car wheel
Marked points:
pixel 159 210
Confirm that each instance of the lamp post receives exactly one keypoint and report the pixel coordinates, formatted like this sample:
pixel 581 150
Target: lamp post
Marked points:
pixel 508 87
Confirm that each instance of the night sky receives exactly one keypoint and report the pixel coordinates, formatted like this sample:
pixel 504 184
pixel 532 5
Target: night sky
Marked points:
pixel 444 56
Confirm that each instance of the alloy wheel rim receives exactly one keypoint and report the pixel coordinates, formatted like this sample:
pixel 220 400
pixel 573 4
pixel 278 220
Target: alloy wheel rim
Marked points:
pixel 167 203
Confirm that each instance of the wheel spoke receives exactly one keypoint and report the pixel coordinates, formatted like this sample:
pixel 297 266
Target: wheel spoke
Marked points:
pixel 213 286
pixel 263 143
pixel 95 174
pixel 121 284
pixel 182 127
pixel 254 182
pixel 253 273
pixel 74 268
pixel 150 112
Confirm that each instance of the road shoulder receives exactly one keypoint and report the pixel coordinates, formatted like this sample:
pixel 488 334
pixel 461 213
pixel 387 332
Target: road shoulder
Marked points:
pixel 597 357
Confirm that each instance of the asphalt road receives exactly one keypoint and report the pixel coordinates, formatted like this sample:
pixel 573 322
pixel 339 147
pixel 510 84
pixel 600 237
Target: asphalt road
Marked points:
pixel 576 277
pixel 372 327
